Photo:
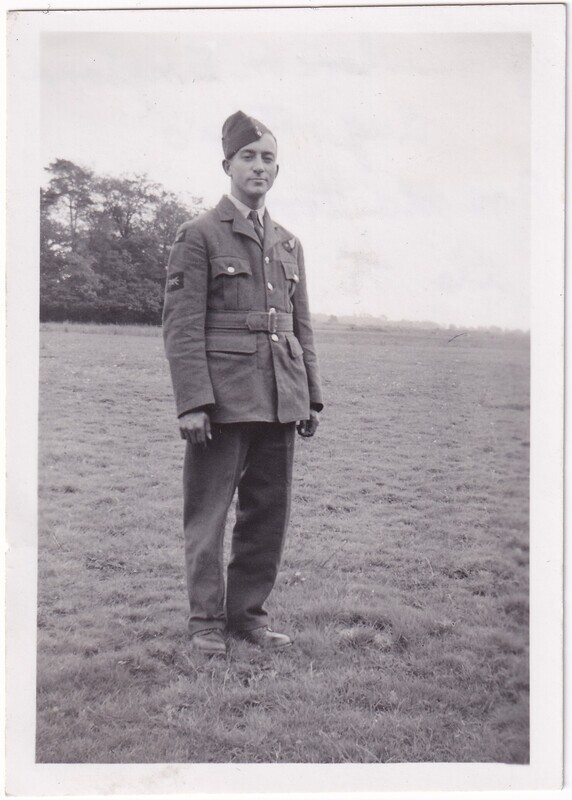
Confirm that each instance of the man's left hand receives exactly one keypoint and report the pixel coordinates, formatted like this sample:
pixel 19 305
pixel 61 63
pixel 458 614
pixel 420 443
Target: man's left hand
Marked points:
pixel 308 427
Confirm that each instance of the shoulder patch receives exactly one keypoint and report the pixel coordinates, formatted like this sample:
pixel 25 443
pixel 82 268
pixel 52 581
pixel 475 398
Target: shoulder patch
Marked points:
pixel 175 281
pixel 289 245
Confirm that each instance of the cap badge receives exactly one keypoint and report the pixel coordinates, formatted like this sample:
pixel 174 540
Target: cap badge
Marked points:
pixel 258 131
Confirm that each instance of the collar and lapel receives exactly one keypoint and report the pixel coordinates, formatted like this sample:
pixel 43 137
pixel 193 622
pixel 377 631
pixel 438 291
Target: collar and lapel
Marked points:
pixel 271 237
pixel 228 212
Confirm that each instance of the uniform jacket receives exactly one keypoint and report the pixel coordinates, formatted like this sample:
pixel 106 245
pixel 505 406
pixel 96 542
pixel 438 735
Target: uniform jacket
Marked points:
pixel 218 265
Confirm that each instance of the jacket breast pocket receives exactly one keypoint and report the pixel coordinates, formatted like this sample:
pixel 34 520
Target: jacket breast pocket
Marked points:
pixel 231 285
pixel 292 279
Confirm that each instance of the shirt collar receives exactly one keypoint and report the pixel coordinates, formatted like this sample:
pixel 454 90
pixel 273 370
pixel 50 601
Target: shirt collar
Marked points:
pixel 245 210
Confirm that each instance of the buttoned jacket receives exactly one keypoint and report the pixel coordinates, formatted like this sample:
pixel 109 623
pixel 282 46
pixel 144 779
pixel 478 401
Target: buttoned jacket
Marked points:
pixel 217 266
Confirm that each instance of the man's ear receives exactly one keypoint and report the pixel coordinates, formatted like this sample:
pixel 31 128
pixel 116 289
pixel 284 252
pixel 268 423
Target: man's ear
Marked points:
pixel 226 166
pixel 277 171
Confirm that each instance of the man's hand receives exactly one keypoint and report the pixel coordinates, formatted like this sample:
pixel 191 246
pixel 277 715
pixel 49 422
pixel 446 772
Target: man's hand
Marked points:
pixel 308 427
pixel 195 427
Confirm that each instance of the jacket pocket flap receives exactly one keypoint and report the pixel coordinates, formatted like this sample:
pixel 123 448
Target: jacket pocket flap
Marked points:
pixel 291 270
pixel 295 347
pixel 230 343
pixel 230 265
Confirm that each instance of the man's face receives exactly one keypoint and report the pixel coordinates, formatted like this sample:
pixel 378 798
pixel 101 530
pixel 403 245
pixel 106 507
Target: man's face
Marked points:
pixel 253 170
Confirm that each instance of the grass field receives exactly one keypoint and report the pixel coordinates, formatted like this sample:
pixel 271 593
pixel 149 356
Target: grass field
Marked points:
pixel 404 582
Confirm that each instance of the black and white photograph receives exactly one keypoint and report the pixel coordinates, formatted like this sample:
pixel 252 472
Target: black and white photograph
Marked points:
pixel 284 333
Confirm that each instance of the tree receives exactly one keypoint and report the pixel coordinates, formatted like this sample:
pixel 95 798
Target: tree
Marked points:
pixel 52 234
pixel 128 202
pixel 70 190
pixel 105 242
pixel 170 213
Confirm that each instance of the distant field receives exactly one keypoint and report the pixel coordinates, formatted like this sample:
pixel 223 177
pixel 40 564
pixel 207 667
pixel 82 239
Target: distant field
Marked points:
pixel 404 582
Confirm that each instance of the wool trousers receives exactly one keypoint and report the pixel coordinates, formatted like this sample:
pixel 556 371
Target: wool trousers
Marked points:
pixel 255 458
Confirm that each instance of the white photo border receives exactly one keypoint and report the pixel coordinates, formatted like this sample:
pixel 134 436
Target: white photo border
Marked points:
pixel 546 24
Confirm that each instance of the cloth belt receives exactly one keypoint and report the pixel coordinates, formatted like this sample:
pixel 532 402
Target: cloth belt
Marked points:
pixel 254 321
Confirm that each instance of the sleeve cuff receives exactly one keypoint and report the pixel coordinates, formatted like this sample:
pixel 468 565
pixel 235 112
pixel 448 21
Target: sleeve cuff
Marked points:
pixel 207 407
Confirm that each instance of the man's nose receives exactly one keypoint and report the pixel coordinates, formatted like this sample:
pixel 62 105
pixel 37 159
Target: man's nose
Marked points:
pixel 258 166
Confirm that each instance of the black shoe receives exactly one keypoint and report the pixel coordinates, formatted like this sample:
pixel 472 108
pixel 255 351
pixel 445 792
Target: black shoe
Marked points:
pixel 265 637
pixel 210 642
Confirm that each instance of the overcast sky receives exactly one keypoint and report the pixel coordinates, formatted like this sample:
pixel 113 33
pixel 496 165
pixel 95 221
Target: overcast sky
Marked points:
pixel 404 158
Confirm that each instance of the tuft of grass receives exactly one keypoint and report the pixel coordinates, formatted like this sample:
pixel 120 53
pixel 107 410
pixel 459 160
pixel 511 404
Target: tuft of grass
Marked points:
pixel 404 580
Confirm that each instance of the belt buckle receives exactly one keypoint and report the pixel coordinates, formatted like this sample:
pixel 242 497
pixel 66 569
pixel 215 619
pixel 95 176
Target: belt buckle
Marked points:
pixel 272 321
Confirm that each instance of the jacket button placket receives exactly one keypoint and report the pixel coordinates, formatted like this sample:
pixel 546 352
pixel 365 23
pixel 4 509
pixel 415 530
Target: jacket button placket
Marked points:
pixel 267 281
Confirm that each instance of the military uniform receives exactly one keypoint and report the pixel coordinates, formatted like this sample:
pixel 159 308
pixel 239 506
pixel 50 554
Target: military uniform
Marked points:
pixel 239 340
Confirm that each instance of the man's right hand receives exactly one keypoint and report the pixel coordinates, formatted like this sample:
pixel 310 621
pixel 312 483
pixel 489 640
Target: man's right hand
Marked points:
pixel 195 427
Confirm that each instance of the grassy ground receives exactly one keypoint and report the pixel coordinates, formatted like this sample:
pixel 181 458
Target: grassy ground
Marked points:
pixel 405 577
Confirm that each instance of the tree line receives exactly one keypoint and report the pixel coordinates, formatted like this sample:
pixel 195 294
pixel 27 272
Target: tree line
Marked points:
pixel 104 245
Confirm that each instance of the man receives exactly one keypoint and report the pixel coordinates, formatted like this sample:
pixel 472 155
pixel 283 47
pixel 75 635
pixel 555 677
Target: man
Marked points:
pixel 239 340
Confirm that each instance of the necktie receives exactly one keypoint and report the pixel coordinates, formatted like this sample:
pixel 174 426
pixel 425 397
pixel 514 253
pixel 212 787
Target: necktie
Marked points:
pixel 257 226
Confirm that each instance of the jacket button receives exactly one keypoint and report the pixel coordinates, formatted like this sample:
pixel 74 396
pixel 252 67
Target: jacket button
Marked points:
pixel 230 269
pixel 266 260
pixel 270 287
pixel 275 337
pixel 296 278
